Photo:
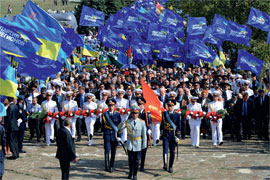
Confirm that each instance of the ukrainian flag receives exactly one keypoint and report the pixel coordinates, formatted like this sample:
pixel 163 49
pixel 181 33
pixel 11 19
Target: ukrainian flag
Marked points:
pixel 76 59
pixel 8 82
pixel 50 38
pixel 88 51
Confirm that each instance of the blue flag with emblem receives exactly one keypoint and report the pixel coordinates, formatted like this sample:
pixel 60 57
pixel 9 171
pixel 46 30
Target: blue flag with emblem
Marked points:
pixel 175 22
pixel 196 25
pixel 238 33
pixel 159 33
pixel 51 38
pixel 34 12
pixel 247 61
pixel 268 38
pixel 209 37
pixel 200 51
pixel 141 51
pixel 91 17
pixel 17 40
pixel 115 39
pixel 38 67
pixel 219 27
pixel 258 19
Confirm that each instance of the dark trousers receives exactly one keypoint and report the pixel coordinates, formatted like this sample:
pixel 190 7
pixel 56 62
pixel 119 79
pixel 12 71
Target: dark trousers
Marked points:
pixel 56 126
pixel 42 129
pixel 133 161
pixel 245 121
pixel 2 161
pixel 262 127
pixel 12 138
pixel 143 156
pixel 169 143
pixel 79 127
pixel 110 146
pixel 183 128
pixel 34 126
pixel 65 166
pixel 21 135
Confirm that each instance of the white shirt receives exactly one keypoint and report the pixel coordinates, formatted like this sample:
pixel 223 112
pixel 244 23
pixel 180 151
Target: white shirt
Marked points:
pixel 122 103
pixel 90 106
pixel 215 106
pixel 102 104
pixel 49 106
pixel 69 105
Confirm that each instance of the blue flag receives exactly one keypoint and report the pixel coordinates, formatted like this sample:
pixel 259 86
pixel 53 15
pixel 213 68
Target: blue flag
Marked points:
pixel 219 25
pixel 116 40
pixel 3 111
pixel 91 17
pixel 268 38
pixel 174 22
pixel 259 19
pixel 199 50
pixel 209 37
pixel 238 33
pixel 38 67
pixel 122 58
pixel 158 33
pixel 247 61
pixel 34 12
pixel 73 37
pixel 17 40
pixel 141 51
pixel 196 25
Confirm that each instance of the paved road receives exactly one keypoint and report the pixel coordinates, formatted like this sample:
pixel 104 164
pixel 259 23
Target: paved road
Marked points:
pixel 233 160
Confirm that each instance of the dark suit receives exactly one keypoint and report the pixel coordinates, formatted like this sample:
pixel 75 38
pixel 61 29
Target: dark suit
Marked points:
pixel 12 128
pixel 205 123
pixel 165 97
pixel 142 116
pixel 184 107
pixel 65 150
pixel 23 116
pixel 109 136
pixel 2 151
pixel 245 119
pixel 262 116
pixel 59 103
pixel 79 121
pixel 193 92
pixel 230 120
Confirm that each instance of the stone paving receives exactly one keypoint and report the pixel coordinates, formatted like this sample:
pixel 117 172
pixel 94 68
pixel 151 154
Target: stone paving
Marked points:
pixel 233 160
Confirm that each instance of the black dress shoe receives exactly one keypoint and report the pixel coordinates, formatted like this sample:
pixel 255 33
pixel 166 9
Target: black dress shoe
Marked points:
pixel 165 168
pixel 157 141
pixel 22 151
pixel 221 143
pixel 52 141
pixel 111 169
pixel 130 176
pixel 78 139
pixel 142 169
pixel 171 170
pixel 135 177
pixel 38 140
pixel 12 158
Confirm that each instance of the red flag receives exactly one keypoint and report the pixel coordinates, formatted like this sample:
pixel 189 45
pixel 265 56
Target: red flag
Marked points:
pixel 152 102
pixel 129 52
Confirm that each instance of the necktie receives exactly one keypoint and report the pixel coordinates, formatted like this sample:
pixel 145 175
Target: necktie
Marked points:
pixel 81 102
pixel 261 101
pixel 181 99
pixel 134 123
pixel 58 99
pixel 245 108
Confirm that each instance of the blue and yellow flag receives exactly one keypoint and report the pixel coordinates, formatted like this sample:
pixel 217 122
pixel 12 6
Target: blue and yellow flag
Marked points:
pixel 76 60
pixel 17 40
pixel 34 12
pixel 8 82
pixel 88 51
pixel 62 57
pixel 51 38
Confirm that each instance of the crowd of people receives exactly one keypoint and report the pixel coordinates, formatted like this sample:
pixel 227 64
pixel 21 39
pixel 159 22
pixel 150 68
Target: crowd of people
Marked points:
pixel 193 88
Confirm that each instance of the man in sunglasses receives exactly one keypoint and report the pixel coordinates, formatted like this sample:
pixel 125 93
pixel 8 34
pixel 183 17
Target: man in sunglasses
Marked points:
pixel 146 117
pixel 110 121
pixel 50 106
pixel 136 141
pixel 171 125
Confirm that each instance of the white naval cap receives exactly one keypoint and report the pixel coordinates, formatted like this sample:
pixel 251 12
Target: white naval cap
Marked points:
pixel 69 93
pixel 105 92
pixel 216 93
pixel 49 91
pixel 194 97
pixel 172 94
pixel 120 90
pixel 90 94
pixel 137 90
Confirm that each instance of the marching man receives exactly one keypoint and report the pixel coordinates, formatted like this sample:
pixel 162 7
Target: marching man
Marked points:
pixel 194 123
pixel 71 105
pixel 214 106
pixel 122 103
pixel 171 125
pixel 90 121
pixel 50 106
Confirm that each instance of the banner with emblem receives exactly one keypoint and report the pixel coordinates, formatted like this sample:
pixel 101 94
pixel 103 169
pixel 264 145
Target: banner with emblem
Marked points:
pixel 91 17
pixel 247 61
pixel 152 102
pixel 259 19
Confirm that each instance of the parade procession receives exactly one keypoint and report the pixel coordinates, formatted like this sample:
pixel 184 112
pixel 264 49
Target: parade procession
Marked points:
pixel 139 89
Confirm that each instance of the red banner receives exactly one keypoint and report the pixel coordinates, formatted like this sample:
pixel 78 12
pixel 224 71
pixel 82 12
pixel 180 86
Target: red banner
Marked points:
pixel 152 102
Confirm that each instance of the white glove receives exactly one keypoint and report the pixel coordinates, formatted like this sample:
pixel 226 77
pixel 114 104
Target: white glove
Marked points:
pixel 176 140
pixel 19 121
pixel 149 131
pixel 118 139
pixel 188 117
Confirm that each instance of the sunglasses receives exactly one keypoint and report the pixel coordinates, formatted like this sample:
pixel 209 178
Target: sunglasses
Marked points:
pixel 120 93
pixel 135 112
pixel 170 105
pixel 48 95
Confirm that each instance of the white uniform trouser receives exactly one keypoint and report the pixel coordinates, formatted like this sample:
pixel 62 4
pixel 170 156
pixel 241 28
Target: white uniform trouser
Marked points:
pixel 156 131
pixel 49 130
pixel 195 131
pixel 89 123
pixel 124 131
pixel 73 127
pixel 217 131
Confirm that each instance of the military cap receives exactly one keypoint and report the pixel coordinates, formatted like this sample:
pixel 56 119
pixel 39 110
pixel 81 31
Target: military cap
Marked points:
pixel 110 101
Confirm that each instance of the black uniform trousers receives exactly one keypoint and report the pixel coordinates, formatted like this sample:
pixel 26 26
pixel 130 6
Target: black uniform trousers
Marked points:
pixel 245 121
pixel 65 166
pixel 12 138
pixel 34 126
pixel 133 161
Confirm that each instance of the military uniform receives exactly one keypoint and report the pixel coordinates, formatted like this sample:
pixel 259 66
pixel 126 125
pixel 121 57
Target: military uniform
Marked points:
pixel 90 121
pixel 136 142
pixel 123 103
pixel 214 106
pixel 110 120
pixel 2 150
pixel 194 123
pixel 49 106
pixel 71 106
pixel 171 125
